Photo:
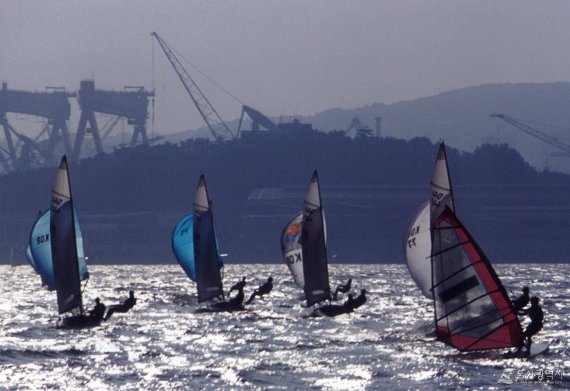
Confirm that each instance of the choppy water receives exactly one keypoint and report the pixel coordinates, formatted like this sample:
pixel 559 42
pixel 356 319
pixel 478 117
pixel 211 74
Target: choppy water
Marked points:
pixel 163 344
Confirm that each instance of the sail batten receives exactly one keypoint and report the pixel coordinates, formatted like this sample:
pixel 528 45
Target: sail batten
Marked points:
pixel 472 309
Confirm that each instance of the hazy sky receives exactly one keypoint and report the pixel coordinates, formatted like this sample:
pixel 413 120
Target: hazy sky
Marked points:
pixel 283 57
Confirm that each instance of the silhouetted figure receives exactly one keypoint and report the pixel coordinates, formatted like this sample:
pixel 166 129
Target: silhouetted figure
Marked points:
pixel 359 301
pixel 536 318
pixel 238 285
pixel 98 311
pixel 343 288
pixel 236 302
pixel 520 302
pixel 123 307
pixel 264 289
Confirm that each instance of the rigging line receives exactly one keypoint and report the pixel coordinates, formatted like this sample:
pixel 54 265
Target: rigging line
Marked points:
pixel 208 78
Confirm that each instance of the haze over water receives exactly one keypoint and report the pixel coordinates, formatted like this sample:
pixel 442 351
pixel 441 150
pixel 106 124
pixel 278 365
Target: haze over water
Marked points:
pixel 163 344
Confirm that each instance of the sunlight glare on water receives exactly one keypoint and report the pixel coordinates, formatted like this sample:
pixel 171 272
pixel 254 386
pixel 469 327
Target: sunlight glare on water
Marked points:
pixel 162 344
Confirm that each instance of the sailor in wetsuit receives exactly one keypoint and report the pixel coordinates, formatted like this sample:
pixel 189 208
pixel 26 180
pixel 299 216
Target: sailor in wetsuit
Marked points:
pixel 236 301
pixel 238 285
pixel 536 316
pixel 359 301
pixel 264 289
pixel 98 311
pixel 123 307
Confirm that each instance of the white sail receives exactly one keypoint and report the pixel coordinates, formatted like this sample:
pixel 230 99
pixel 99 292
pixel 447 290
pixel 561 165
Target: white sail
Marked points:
pixel 441 192
pixel 292 250
pixel 417 249
pixel 417 237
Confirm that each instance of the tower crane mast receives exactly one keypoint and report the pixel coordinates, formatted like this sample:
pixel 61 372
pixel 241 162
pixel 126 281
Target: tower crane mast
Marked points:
pixel 217 126
pixel 565 148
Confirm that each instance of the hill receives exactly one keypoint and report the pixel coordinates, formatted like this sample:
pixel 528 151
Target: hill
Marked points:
pixel 130 200
pixel 461 118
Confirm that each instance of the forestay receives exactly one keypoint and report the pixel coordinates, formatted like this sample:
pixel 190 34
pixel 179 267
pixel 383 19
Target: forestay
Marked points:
pixel 472 309
pixel 315 266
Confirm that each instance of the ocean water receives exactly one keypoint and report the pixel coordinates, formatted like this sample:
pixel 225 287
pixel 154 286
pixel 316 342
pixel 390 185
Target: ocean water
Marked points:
pixel 387 344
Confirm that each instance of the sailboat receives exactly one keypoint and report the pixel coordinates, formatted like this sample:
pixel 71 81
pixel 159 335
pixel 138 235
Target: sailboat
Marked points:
pixel 314 251
pixel 417 237
pixel 196 249
pixel 64 253
pixel 291 248
pixel 38 251
pixel 472 309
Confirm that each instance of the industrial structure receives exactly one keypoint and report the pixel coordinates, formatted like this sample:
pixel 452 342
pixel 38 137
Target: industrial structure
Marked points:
pixel 215 123
pixel 553 141
pixel 20 152
pixel 131 104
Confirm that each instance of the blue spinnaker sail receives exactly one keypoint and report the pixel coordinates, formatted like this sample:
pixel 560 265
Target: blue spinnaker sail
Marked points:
pixel 40 250
pixel 183 246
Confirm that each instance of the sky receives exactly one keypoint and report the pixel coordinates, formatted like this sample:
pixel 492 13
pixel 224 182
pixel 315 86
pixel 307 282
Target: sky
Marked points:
pixel 282 57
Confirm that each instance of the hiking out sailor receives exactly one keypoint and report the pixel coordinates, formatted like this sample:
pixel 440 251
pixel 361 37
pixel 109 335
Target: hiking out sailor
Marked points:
pixel 354 303
pixel 125 306
pixel 238 285
pixel 264 289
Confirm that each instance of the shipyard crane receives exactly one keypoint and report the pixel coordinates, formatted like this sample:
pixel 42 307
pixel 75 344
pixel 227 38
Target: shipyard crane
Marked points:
pixel 565 148
pixel 217 126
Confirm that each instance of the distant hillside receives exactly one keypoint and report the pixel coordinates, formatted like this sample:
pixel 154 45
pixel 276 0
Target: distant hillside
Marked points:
pixel 461 118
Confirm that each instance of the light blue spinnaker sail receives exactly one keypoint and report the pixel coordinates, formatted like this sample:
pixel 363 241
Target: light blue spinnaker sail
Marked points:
pixel 40 250
pixel 183 245
pixel 196 249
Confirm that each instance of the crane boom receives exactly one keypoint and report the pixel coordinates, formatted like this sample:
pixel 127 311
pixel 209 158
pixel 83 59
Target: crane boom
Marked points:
pixel 535 133
pixel 217 126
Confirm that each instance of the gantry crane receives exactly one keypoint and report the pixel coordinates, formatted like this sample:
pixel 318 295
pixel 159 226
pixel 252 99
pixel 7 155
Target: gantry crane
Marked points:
pixel 565 148
pixel 217 126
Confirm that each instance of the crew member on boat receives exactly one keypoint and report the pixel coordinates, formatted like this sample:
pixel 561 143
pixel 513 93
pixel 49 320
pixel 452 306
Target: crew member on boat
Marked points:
pixel 125 306
pixel 343 288
pixel 536 316
pixel 264 289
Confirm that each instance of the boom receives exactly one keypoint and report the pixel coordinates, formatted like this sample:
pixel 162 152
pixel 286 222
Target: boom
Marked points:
pixel 217 126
